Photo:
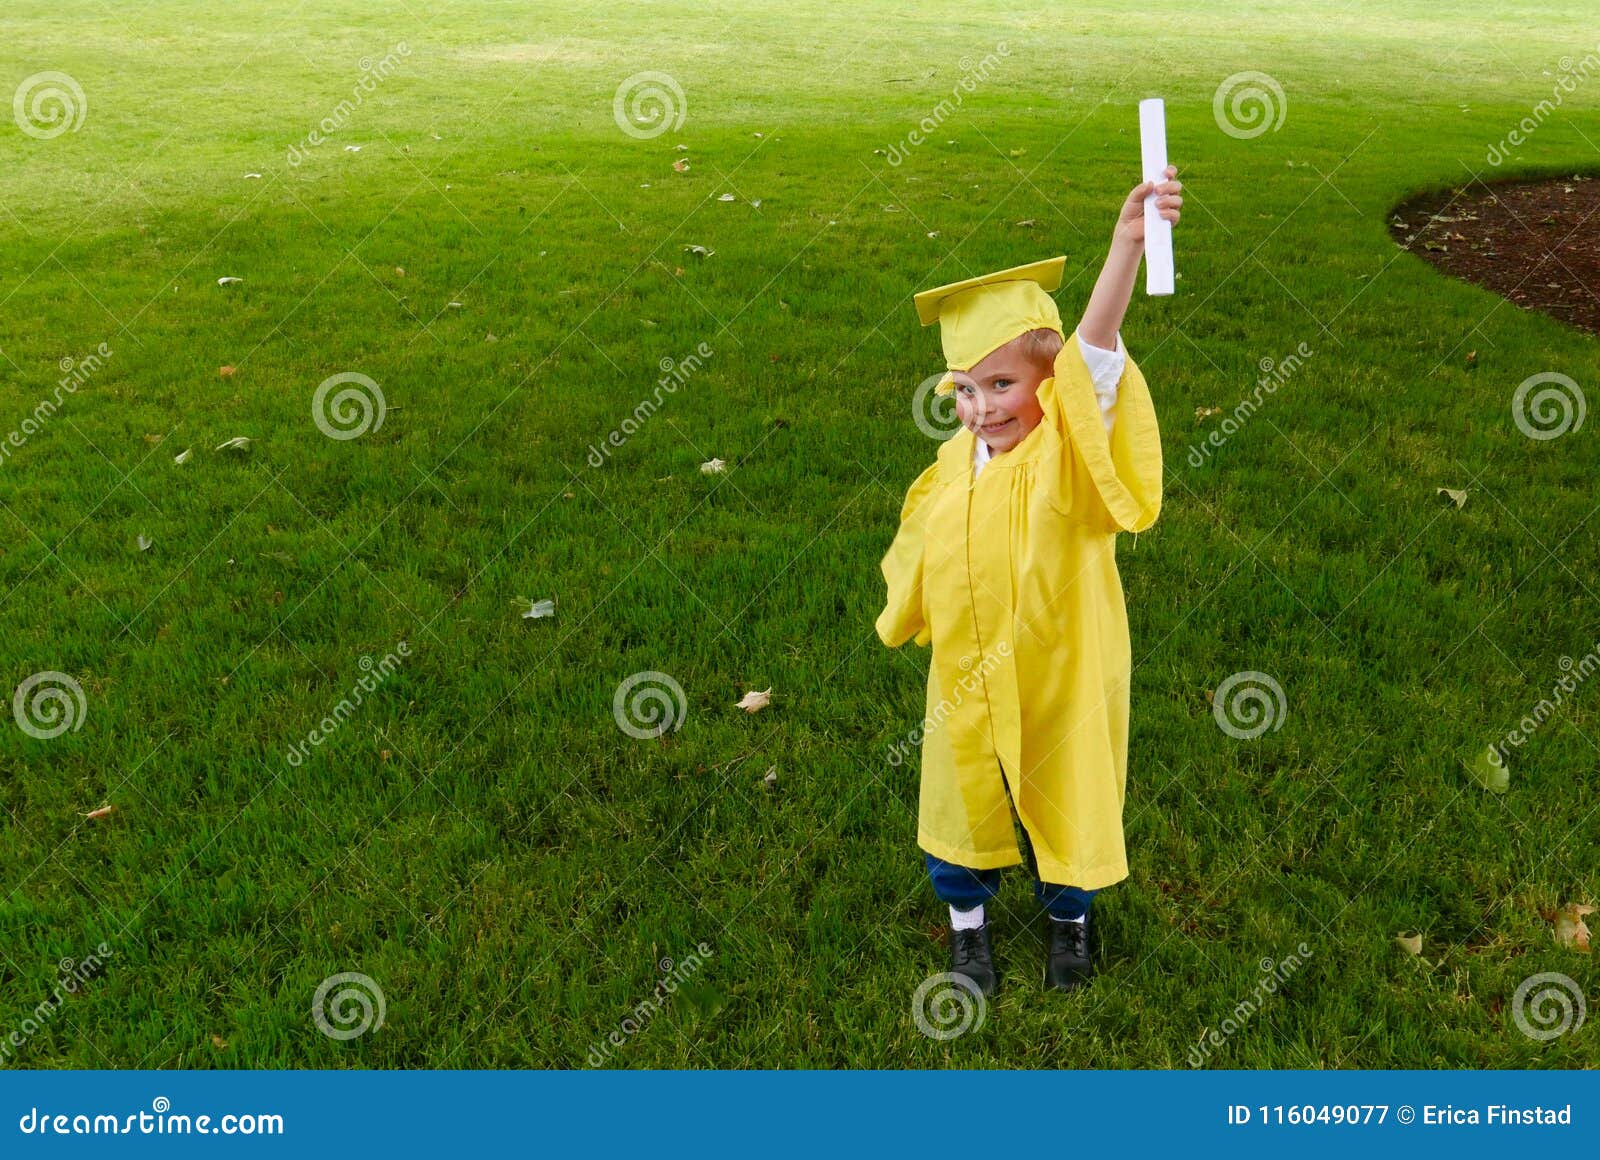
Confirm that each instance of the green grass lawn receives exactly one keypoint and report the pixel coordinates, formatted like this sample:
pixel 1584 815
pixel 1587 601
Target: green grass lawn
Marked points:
pixel 479 837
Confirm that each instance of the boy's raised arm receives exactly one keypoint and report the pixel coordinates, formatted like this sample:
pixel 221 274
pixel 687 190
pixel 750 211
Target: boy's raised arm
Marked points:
pixel 1102 317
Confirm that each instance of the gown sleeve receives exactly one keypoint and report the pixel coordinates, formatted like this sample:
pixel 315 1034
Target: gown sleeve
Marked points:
pixel 902 617
pixel 1108 480
pixel 1105 368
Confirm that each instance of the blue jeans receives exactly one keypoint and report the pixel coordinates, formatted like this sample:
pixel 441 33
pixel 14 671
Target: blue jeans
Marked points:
pixel 964 888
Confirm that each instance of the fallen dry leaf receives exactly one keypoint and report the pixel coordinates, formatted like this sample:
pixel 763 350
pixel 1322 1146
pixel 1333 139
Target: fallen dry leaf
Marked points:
pixel 1570 929
pixel 182 457
pixel 237 443
pixel 681 165
pixel 227 372
pixel 99 813
pixel 144 542
pixel 1459 498
pixel 1491 771
pixel 713 467
pixel 219 1043
pixel 252 177
pixel 752 701
pixel 771 780
pixel 228 280
pixel 699 251
pixel 1411 942
pixel 727 197
pixel 1201 414
pixel 538 609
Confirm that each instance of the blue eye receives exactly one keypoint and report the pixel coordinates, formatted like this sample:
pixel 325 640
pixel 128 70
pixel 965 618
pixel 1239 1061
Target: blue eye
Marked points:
pixel 1001 384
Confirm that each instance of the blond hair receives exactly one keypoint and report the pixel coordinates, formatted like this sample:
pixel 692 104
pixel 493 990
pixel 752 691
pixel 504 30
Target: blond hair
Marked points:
pixel 1041 347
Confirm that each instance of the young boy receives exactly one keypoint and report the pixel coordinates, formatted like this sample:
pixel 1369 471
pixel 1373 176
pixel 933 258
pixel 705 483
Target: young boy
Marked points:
pixel 1005 561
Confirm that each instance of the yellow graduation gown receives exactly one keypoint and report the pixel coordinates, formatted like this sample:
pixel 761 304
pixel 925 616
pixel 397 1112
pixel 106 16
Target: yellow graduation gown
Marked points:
pixel 1013 579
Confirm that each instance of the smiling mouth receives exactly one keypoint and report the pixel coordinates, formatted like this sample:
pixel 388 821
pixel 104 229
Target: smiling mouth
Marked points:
pixel 993 427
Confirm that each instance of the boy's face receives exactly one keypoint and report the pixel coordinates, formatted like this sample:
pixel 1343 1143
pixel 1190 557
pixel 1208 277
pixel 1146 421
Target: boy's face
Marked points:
pixel 997 399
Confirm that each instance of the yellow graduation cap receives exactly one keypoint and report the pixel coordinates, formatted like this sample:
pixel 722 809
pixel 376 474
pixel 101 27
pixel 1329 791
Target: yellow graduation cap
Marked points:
pixel 978 315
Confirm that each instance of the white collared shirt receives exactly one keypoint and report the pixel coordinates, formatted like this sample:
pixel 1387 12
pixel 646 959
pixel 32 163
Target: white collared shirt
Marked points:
pixel 1105 370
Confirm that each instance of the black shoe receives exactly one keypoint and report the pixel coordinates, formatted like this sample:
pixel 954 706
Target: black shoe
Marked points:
pixel 971 956
pixel 1067 963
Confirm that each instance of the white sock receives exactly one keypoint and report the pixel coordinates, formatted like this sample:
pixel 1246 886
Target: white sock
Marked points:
pixel 1080 921
pixel 966 919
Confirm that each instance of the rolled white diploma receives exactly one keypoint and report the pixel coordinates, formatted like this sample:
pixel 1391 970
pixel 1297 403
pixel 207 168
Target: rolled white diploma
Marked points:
pixel 1158 274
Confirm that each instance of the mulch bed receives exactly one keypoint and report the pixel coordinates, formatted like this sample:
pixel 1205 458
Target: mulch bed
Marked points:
pixel 1536 243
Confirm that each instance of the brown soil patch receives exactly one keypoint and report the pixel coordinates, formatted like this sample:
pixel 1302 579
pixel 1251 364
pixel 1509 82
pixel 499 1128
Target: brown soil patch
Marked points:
pixel 1535 243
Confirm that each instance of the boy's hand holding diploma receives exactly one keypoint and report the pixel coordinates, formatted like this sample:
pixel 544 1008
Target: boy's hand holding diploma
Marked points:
pixel 1102 317
pixel 1130 222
